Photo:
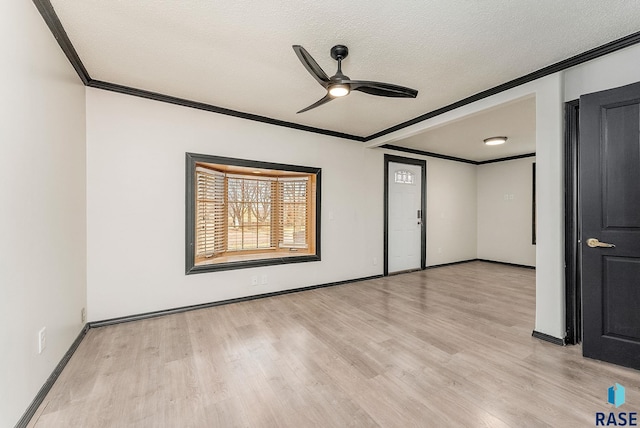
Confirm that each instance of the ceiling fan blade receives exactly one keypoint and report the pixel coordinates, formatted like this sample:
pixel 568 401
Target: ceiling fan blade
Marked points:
pixel 381 89
pixel 311 65
pixel 321 101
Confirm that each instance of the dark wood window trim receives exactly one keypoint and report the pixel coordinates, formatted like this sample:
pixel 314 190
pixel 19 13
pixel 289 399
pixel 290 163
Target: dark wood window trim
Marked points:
pixel 192 159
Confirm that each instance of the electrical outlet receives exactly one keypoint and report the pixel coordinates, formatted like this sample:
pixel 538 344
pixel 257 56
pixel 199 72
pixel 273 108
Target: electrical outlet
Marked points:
pixel 83 315
pixel 375 261
pixel 254 280
pixel 42 339
pixel 439 250
pixel 264 279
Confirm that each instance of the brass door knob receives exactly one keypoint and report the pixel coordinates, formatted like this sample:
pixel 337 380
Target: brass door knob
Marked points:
pixel 593 243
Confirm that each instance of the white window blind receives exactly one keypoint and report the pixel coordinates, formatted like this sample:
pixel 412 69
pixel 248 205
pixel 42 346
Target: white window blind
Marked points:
pixel 210 213
pixel 293 212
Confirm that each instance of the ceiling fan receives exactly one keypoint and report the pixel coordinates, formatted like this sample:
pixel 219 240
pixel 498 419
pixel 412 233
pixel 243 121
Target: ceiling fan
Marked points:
pixel 340 85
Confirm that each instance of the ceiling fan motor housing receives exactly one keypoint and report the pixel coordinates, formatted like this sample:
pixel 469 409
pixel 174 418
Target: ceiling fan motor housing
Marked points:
pixel 339 52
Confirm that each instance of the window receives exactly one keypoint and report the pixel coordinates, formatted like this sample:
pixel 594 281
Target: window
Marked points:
pixel 244 213
pixel 404 177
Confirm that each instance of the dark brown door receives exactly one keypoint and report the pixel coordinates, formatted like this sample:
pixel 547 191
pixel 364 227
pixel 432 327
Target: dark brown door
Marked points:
pixel 610 213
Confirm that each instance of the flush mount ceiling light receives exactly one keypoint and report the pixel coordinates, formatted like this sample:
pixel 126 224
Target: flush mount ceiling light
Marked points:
pixel 495 141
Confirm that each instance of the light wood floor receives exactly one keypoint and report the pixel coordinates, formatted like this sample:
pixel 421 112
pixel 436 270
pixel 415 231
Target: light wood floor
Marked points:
pixel 444 347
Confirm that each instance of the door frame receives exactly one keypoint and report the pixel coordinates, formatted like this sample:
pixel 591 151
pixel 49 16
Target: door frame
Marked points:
pixel 573 262
pixel 423 206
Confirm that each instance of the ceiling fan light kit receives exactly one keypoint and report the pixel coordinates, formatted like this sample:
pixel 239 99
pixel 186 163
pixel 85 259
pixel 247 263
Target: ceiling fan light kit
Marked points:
pixel 339 90
pixel 495 141
pixel 340 85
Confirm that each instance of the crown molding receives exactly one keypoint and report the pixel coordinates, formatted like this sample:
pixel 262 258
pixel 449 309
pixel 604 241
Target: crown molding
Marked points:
pixel 49 15
pixel 423 153
pixel 51 19
pixel 452 158
pixel 215 109
pixel 594 53
pixel 508 158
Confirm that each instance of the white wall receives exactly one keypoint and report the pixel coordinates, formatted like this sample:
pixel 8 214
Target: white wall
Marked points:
pixel 42 214
pixel 451 211
pixel 136 215
pixel 505 212
pixel 468 217
pixel 136 204
pixel 617 69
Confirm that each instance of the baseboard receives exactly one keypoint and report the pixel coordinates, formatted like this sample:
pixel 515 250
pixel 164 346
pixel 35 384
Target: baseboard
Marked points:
pixel 37 401
pixel 451 263
pixel 506 264
pixel 402 272
pixel 480 260
pixel 548 338
pixel 155 314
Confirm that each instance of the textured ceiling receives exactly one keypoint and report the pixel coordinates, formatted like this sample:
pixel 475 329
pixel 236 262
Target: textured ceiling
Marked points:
pixel 237 54
pixel 464 138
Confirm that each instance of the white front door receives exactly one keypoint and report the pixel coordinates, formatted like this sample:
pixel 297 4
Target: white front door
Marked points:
pixel 405 217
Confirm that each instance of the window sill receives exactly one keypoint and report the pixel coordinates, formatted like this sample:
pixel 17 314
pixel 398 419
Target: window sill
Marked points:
pixel 240 262
pixel 251 255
